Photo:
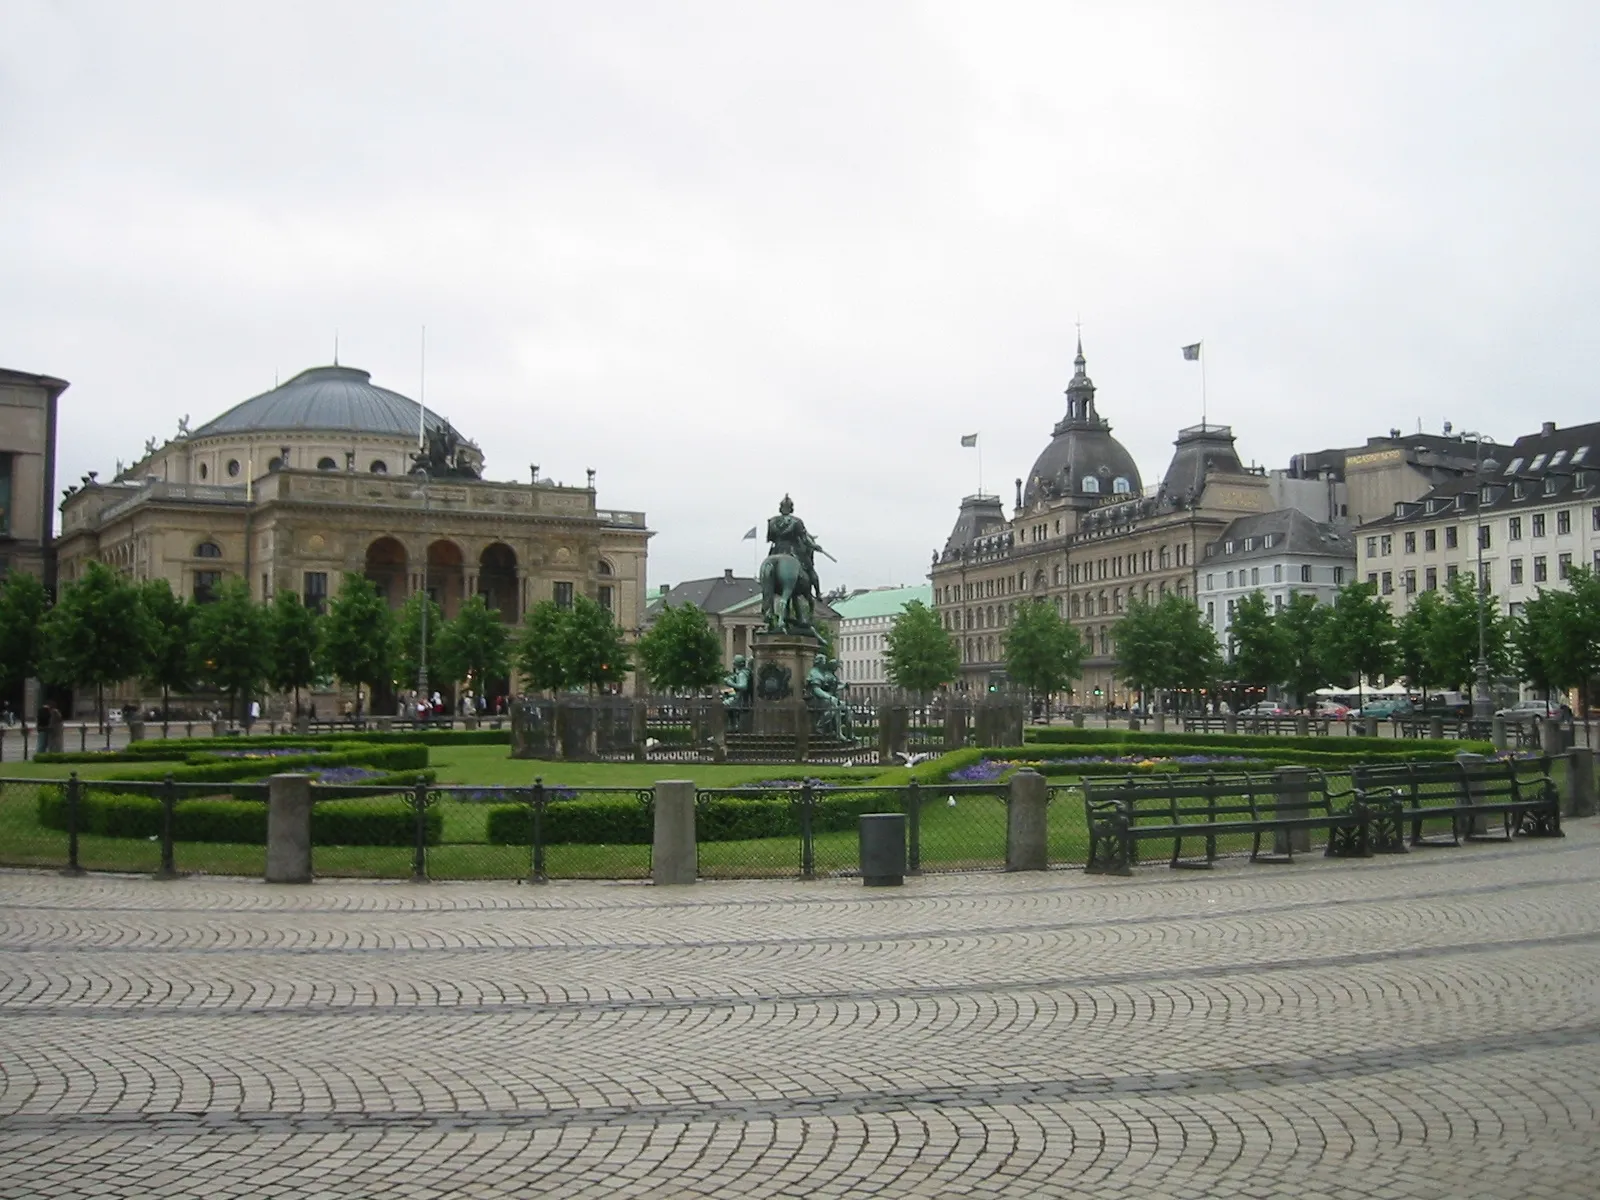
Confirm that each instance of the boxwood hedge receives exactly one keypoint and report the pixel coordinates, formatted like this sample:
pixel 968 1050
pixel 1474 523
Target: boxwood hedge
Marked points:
pixel 1360 746
pixel 367 821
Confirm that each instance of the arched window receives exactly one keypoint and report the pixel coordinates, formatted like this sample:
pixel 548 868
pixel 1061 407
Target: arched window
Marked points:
pixel 379 467
pixel 1077 607
pixel 1091 484
pixel 208 550
pixel 327 464
pixel 604 568
pixel 1121 486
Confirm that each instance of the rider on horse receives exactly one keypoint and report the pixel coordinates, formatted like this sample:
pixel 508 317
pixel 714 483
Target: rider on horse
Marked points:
pixel 787 534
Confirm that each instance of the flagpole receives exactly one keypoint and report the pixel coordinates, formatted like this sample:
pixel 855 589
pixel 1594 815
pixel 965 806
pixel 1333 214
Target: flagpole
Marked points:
pixel 980 462
pixel 1202 386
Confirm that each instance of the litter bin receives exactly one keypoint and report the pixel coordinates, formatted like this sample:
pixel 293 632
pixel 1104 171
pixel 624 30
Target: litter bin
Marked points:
pixel 883 849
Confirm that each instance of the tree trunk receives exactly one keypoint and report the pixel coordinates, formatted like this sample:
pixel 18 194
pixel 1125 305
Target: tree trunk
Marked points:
pixel 166 707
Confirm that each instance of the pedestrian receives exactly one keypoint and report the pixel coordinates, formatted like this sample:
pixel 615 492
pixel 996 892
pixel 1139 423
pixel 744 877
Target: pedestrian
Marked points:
pixel 43 727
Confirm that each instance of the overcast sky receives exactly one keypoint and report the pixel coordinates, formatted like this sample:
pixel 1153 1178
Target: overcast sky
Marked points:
pixel 723 251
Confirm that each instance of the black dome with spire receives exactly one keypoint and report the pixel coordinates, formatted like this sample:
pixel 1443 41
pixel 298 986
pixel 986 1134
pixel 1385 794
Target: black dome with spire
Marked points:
pixel 1082 449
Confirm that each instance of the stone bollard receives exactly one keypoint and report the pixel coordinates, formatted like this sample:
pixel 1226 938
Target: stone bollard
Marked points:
pixel 1475 826
pixel 1293 782
pixel 135 730
pixel 302 725
pixel 383 724
pixel 1077 720
pixel 1026 831
pixel 1161 722
pixel 1550 737
pixel 1302 728
pixel 1133 724
pixel 1497 733
pixel 55 738
pixel 1436 728
pixel 216 729
pixel 470 722
pixel 1579 801
pixel 673 858
pixel 883 849
pixel 1369 726
pixel 1230 722
pixel 289 829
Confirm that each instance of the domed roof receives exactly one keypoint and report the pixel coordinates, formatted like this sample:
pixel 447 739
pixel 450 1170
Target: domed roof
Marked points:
pixel 1081 449
pixel 324 399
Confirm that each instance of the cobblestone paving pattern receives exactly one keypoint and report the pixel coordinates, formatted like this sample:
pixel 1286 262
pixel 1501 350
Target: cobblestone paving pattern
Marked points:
pixel 1417 1026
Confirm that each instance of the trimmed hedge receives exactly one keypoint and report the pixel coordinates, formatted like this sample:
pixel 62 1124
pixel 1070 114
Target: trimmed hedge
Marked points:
pixel 205 766
pixel 1127 740
pixel 368 821
pixel 179 749
pixel 619 820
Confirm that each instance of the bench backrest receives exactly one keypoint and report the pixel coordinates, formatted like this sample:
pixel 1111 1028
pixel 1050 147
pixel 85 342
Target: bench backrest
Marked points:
pixel 1199 798
pixel 1449 782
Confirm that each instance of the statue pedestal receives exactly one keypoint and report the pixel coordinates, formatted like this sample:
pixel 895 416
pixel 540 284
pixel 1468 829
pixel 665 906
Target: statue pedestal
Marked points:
pixel 779 665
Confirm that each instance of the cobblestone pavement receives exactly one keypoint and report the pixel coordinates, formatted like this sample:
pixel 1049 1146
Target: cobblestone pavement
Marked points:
pixel 1418 1026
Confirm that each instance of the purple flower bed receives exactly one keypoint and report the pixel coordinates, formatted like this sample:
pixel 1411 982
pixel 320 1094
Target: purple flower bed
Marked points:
pixel 264 752
pixel 985 770
pixel 786 783
pixel 1188 760
pixel 343 774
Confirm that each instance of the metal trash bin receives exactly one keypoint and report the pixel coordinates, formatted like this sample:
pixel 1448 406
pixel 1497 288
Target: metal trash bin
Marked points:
pixel 883 849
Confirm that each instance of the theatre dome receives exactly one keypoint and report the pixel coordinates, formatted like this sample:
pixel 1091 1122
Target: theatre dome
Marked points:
pixel 1083 461
pixel 324 400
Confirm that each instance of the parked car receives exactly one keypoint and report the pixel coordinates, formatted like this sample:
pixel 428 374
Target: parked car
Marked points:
pixel 1389 706
pixel 1331 708
pixel 1446 706
pixel 1528 710
pixel 1267 708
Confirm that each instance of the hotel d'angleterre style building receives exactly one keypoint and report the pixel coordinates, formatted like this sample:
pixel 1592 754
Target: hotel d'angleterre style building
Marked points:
pixel 295 487
pixel 1089 536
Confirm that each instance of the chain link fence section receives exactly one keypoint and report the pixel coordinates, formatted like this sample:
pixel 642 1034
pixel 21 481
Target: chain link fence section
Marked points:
pixel 37 822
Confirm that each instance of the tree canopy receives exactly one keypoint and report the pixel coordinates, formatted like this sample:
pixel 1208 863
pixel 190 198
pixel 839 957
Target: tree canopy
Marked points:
pixel 474 646
pixel 408 640
pixel 96 634
pixel 293 636
pixel 1166 645
pixel 1043 652
pixel 1303 622
pixel 680 651
pixel 167 664
pixel 1261 655
pixel 572 647
pixel 23 605
pixel 358 635
pixel 919 654
pixel 1358 639
pixel 230 642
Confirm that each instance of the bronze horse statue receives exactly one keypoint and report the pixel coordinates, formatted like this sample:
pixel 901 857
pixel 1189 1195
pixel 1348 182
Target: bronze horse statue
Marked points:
pixel 786 594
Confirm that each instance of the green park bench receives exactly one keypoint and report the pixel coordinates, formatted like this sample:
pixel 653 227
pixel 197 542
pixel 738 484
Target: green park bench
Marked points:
pixel 1124 811
pixel 1463 794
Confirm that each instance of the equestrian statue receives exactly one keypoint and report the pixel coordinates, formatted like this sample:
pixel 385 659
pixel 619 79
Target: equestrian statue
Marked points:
pixel 788 575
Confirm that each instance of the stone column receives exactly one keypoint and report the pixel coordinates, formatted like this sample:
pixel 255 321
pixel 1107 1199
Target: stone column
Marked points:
pixel 1027 845
pixel 673 857
pixel 1302 728
pixel 1580 783
pixel 302 724
pixel 216 729
pixel 1161 722
pixel 1369 726
pixel 1474 824
pixel 1230 722
pixel 1550 737
pixel 1291 803
pixel 1436 728
pixel 135 729
pixel 1077 720
pixel 1497 732
pixel 289 829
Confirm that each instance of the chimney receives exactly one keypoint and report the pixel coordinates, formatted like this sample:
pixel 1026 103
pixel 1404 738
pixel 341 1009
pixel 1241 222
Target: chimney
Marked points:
pixel 1547 428
pixel 727 574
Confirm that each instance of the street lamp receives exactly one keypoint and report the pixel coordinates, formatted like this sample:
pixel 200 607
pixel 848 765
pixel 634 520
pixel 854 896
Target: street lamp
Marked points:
pixel 1482 701
pixel 422 651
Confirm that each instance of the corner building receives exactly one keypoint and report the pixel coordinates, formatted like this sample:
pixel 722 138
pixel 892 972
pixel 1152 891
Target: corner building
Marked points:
pixel 292 488
pixel 1087 535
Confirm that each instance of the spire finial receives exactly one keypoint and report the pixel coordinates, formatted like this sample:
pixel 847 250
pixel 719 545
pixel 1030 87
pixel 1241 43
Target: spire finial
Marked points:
pixel 1079 361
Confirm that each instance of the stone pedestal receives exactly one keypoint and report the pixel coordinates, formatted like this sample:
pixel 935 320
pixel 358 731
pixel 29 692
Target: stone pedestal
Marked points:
pixel 1497 732
pixel 1292 803
pixel 1027 837
pixel 673 857
pixel 289 829
pixel 1077 720
pixel 1230 723
pixel 135 730
pixel 302 724
pixel 1580 783
pixel 1475 826
pixel 779 663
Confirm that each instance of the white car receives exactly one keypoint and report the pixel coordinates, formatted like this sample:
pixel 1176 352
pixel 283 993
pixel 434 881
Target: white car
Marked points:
pixel 1528 710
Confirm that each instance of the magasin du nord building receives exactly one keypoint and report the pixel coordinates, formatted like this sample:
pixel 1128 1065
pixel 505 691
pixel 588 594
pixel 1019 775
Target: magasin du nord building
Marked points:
pixel 292 488
pixel 1086 536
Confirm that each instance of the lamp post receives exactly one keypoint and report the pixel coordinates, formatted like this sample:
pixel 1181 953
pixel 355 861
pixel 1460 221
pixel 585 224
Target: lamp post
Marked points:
pixel 1482 701
pixel 422 651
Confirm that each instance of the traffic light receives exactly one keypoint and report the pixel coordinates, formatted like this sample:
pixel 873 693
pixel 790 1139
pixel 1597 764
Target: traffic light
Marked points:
pixel 1097 691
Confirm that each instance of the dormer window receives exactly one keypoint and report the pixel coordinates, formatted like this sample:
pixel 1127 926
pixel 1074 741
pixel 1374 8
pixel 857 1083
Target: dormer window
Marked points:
pixel 1580 479
pixel 1091 485
pixel 1485 496
pixel 1249 544
pixel 1227 547
pixel 1121 486
pixel 1551 484
pixel 1461 500
pixel 1516 490
pixel 1267 541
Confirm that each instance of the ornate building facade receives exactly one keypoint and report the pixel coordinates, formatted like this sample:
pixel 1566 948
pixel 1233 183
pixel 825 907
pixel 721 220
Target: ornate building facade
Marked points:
pixel 1088 536
pixel 292 488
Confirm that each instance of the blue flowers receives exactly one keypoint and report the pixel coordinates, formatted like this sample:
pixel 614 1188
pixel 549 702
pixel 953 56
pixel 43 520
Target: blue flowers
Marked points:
pixel 985 770
pixel 343 774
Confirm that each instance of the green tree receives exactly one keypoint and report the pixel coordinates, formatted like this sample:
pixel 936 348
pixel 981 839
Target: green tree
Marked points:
pixel 1166 645
pixel 408 641
pixel 167 664
pixel 1260 649
pixel 1413 644
pixel 23 606
pixel 1358 640
pixel 680 651
pixel 593 652
pixel 475 645
pixel 1043 652
pixel 1571 634
pixel 358 636
pixel 539 652
pixel 919 654
pixel 230 642
pixel 1533 639
pixel 1303 622
pixel 1452 640
pixel 95 635
pixel 293 636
